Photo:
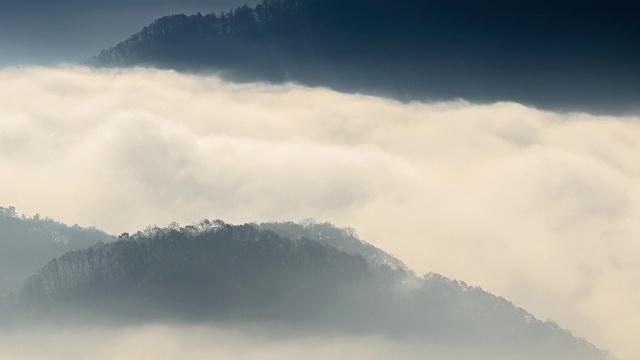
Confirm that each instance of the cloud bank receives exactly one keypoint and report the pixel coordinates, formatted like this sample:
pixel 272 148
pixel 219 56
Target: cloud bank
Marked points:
pixel 539 207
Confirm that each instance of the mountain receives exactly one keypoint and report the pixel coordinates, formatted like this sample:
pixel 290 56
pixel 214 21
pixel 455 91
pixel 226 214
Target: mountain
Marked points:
pixel 27 243
pixel 213 272
pixel 556 54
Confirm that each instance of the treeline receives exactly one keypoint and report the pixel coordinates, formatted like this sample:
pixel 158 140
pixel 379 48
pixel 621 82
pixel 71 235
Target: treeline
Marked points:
pixel 209 271
pixel 213 271
pixel 343 239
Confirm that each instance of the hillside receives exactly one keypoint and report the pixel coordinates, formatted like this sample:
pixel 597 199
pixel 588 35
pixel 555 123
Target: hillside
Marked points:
pixel 27 243
pixel 345 240
pixel 226 274
pixel 565 55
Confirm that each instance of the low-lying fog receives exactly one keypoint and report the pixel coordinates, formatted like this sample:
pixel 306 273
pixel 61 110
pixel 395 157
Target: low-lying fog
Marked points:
pixel 161 342
pixel 539 207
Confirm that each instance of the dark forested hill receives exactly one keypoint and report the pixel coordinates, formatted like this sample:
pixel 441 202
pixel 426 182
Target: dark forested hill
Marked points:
pixel 559 54
pixel 216 272
pixel 27 243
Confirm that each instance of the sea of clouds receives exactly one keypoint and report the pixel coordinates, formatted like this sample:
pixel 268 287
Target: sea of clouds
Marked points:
pixel 542 208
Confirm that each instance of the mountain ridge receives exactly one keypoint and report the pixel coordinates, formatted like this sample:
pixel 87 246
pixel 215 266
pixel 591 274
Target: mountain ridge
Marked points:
pixel 213 271
pixel 567 55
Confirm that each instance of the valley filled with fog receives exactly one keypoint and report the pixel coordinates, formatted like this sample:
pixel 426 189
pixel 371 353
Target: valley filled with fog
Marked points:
pixel 540 207
pixel 166 342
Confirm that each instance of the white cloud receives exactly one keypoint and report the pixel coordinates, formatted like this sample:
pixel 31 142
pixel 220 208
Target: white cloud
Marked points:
pixel 540 207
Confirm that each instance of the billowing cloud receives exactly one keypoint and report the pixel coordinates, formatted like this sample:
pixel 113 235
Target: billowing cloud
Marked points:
pixel 542 208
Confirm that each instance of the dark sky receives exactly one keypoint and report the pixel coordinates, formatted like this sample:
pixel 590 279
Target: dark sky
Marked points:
pixel 48 32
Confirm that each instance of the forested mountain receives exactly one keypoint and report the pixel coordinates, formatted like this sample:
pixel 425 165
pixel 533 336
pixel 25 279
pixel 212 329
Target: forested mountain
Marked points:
pixel 220 273
pixel 27 243
pixel 562 54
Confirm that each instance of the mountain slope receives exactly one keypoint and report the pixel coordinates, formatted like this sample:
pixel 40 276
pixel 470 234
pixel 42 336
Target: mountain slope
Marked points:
pixel 26 244
pixel 569 54
pixel 240 274
pixel 345 240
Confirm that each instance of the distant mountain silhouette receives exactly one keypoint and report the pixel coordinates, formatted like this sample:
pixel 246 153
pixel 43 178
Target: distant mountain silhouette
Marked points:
pixel 216 272
pixel 556 54
pixel 27 243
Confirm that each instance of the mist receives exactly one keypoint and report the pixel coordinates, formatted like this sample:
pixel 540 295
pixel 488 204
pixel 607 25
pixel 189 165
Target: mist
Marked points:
pixel 37 32
pixel 540 207
pixel 160 342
